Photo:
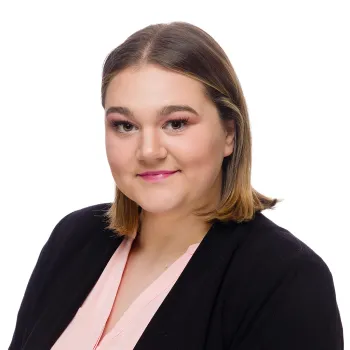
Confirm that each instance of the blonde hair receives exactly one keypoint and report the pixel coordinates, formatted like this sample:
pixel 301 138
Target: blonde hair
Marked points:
pixel 187 49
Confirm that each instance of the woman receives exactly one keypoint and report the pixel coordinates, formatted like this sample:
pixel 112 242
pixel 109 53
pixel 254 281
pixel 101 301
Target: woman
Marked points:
pixel 183 258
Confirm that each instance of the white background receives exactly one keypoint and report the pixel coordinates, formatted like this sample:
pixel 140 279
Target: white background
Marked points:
pixel 292 58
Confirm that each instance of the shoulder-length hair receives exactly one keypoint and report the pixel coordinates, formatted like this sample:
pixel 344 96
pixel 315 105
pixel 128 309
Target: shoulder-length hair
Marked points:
pixel 189 50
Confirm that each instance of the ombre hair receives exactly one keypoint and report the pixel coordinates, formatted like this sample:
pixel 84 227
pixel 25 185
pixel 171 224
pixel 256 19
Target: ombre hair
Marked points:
pixel 186 49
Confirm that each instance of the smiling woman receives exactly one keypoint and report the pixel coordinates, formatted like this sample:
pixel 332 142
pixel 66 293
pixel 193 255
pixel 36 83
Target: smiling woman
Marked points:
pixel 183 258
pixel 185 135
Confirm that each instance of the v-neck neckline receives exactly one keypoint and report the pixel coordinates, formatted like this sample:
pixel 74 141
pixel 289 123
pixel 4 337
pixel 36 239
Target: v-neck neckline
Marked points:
pixel 165 280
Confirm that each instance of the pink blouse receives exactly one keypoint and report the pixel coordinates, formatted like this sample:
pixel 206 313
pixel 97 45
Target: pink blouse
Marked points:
pixel 85 330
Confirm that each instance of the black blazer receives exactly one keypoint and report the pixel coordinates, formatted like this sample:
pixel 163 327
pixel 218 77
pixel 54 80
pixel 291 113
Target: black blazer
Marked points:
pixel 248 286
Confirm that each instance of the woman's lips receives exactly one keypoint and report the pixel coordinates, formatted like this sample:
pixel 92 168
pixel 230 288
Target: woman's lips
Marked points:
pixel 155 177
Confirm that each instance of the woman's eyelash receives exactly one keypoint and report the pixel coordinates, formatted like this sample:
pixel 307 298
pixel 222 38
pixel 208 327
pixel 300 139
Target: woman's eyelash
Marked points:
pixel 182 120
pixel 117 123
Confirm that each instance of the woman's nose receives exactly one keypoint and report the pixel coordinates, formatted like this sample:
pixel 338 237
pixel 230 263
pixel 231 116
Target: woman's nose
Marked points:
pixel 151 146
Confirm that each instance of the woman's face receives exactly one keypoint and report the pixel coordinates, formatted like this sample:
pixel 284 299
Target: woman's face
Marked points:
pixel 160 120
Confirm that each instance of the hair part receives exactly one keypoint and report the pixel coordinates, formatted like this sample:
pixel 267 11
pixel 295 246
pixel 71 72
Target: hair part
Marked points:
pixel 186 49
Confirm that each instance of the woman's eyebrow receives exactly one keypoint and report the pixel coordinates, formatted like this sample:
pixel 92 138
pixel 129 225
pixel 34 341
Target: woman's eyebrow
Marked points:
pixel 164 111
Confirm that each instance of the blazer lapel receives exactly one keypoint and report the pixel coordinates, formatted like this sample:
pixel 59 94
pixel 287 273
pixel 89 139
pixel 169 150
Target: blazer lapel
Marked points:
pixel 70 289
pixel 182 320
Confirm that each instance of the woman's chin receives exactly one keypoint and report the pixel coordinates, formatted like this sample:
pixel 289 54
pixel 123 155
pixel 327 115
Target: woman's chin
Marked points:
pixel 159 207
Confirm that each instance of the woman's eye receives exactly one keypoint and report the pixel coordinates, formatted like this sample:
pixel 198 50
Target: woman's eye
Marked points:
pixel 122 127
pixel 177 123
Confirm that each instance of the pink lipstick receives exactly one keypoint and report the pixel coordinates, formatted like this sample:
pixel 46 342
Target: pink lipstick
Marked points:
pixel 155 176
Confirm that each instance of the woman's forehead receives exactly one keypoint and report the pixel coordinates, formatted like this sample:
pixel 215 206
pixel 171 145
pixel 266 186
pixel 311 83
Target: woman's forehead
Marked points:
pixel 154 85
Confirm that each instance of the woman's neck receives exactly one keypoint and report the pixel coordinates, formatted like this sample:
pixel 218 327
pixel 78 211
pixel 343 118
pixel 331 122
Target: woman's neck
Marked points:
pixel 160 235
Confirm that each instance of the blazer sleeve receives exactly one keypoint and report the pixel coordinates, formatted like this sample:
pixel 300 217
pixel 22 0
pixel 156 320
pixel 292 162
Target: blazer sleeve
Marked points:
pixel 38 281
pixel 301 313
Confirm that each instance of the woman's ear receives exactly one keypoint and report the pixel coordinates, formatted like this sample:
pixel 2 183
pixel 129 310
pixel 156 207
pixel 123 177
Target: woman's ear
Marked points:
pixel 230 137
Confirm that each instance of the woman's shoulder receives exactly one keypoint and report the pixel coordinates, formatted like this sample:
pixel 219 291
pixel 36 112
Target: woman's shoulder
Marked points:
pixel 77 228
pixel 84 220
pixel 270 251
pixel 270 261
pixel 275 281
pixel 92 214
